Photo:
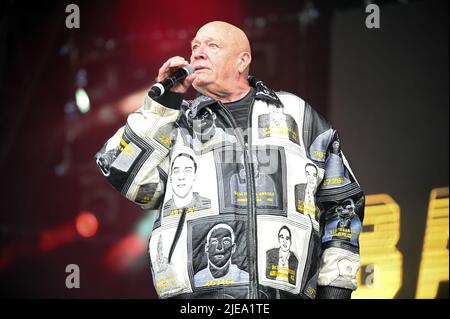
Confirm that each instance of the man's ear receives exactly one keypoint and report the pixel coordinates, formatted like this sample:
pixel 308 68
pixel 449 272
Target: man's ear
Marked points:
pixel 244 61
pixel 233 249
pixel 206 248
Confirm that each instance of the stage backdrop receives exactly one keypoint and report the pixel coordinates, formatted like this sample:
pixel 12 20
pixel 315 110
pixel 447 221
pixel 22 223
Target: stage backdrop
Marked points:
pixel 389 101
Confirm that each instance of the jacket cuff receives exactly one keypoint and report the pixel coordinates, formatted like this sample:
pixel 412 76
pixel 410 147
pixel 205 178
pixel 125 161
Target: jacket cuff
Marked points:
pixel 330 292
pixel 171 100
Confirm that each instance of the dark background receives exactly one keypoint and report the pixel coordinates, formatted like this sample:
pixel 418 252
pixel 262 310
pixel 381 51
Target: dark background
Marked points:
pixel 385 90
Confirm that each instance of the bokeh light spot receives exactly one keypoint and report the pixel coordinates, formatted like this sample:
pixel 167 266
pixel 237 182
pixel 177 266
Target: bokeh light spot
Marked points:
pixel 86 224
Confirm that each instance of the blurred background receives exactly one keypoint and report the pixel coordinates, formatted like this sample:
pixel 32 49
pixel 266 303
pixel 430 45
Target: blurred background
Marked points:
pixel 64 91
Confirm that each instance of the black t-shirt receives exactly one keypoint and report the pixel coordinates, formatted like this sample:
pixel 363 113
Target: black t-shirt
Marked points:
pixel 239 109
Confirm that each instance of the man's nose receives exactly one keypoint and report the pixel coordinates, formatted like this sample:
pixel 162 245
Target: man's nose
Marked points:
pixel 199 53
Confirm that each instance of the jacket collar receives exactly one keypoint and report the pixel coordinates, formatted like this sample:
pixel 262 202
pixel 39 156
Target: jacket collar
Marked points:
pixel 262 92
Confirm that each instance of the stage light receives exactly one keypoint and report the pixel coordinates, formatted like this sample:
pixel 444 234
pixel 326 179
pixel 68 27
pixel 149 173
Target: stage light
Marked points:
pixel 82 100
pixel 127 251
pixel 86 224
pixel 51 239
pixel 145 226
pixel 124 254
pixel 308 15
pixel 81 96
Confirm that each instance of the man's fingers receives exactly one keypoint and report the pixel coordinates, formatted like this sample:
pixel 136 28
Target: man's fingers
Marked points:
pixel 170 66
pixel 177 62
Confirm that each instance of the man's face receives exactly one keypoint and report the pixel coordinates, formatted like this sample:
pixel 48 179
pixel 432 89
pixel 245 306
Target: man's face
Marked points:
pixel 220 247
pixel 311 176
pixel 183 176
pixel 285 240
pixel 214 58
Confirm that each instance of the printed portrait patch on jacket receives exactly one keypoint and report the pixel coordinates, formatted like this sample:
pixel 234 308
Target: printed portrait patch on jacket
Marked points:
pixel 186 193
pixel 207 132
pixel 170 278
pixel 305 202
pixel 282 252
pixel 268 169
pixel 218 252
pixel 277 123
pixel 346 226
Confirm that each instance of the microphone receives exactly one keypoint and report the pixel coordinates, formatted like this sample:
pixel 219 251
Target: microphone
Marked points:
pixel 179 75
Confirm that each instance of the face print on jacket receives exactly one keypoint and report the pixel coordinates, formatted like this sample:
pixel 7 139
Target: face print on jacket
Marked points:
pixel 268 168
pixel 183 175
pixel 305 193
pixel 281 263
pixel 277 123
pixel 220 247
pixel 206 133
pixel 345 213
pixel 266 192
pixel 182 179
pixel 345 226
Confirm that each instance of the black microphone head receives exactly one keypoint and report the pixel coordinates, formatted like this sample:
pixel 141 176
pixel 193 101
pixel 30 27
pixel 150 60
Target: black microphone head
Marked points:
pixel 159 88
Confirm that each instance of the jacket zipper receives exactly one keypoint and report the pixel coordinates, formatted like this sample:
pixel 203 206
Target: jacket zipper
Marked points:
pixel 251 199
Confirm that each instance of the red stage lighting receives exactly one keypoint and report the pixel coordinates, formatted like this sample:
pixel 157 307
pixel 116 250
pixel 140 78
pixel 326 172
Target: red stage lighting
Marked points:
pixel 125 253
pixel 50 239
pixel 86 224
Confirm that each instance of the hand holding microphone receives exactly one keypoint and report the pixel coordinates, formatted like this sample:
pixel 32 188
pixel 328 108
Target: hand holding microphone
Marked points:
pixel 175 75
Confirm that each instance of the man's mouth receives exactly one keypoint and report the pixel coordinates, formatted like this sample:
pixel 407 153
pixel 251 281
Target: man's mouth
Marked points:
pixel 181 185
pixel 200 68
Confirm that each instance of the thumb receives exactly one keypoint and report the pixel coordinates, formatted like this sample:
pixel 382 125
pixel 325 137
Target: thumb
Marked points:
pixel 190 78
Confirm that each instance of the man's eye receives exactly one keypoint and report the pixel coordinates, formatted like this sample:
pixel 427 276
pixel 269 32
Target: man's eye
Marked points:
pixel 194 47
pixel 213 45
pixel 188 170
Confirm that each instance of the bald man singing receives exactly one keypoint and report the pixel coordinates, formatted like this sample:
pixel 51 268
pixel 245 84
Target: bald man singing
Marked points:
pixel 235 116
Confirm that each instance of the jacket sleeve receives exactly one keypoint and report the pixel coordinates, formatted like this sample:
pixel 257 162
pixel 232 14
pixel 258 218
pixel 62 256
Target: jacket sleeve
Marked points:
pixel 135 159
pixel 341 203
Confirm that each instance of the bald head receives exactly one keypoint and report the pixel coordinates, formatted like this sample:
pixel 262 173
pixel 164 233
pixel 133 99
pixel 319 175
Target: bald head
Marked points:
pixel 232 34
pixel 221 59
